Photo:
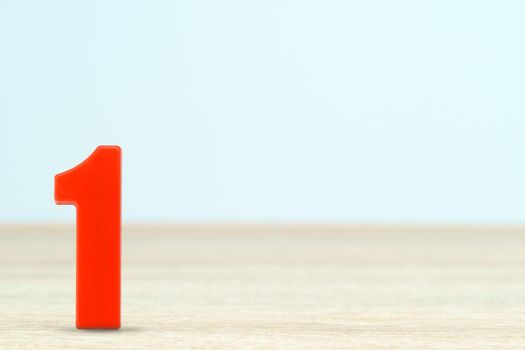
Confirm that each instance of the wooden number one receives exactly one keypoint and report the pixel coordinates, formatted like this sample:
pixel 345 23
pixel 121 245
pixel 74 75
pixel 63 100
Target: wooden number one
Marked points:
pixel 93 187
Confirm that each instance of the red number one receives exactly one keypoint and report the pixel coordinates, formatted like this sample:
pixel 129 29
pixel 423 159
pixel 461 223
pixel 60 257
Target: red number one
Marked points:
pixel 93 187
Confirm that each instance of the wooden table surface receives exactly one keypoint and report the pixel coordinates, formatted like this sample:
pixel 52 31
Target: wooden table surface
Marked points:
pixel 276 287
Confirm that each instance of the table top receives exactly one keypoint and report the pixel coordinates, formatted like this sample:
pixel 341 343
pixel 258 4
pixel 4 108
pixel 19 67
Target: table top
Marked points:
pixel 276 287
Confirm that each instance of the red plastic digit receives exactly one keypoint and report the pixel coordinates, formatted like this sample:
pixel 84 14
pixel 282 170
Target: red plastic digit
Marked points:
pixel 93 187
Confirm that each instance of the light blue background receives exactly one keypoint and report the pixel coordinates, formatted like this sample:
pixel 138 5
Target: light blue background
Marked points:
pixel 316 111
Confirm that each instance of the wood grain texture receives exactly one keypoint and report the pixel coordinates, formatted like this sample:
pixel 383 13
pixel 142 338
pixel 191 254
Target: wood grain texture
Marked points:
pixel 276 287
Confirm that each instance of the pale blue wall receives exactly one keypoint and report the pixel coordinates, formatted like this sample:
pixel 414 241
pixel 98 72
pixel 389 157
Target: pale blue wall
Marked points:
pixel 269 110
